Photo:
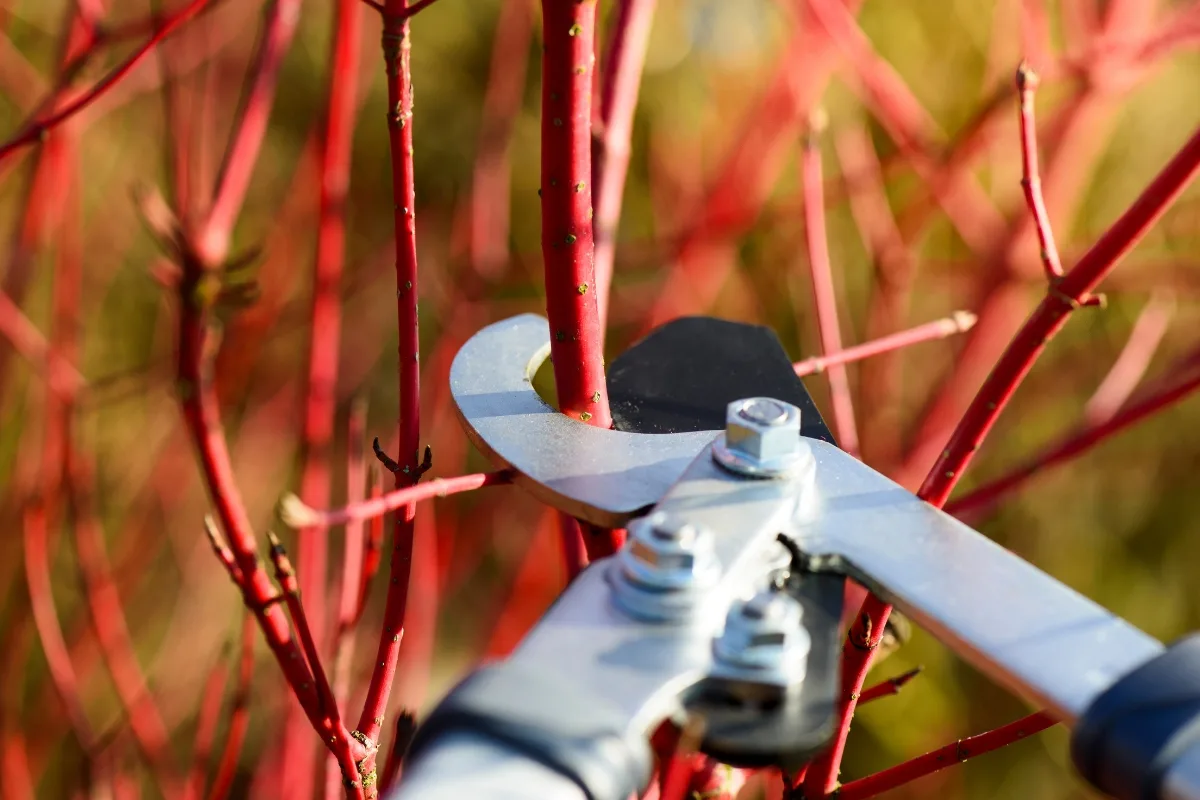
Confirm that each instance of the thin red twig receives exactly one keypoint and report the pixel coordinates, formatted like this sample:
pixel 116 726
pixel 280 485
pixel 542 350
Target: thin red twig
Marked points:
pixel 824 294
pixel 34 131
pixel 888 687
pixel 339 738
pixel 1031 181
pixel 619 84
pixel 23 335
pixel 958 322
pixel 862 642
pixel 943 757
pixel 396 58
pixel 296 514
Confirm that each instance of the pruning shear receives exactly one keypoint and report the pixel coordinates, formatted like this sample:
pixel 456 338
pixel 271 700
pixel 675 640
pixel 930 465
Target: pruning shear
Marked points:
pixel 723 606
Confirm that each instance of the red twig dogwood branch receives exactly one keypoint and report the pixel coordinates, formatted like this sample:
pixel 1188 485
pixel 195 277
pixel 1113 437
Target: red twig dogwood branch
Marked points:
pixel 297 514
pixel 576 343
pixel 824 296
pixel 1031 181
pixel 943 757
pixel 958 322
pixel 396 46
pixel 34 131
pixel 1064 296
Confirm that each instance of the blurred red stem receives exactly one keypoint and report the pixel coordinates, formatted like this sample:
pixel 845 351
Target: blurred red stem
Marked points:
pixel 1129 368
pixel 320 404
pixel 824 295
pixel 239 716
pixel 206 726
pixel 34 131
pixel 116 646
pixel 212 240
pixel 619 86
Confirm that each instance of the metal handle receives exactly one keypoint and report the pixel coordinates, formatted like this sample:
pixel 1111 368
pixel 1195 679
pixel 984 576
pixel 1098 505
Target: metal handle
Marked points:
pixel 465 765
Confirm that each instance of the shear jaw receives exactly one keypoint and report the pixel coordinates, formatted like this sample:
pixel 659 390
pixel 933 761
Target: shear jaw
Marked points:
pixel 605 477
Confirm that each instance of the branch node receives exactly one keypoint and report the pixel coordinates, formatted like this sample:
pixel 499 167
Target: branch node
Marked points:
pixel 388 462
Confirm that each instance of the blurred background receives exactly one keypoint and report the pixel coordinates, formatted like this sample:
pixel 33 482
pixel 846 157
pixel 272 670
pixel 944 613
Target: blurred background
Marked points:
pixel 925 217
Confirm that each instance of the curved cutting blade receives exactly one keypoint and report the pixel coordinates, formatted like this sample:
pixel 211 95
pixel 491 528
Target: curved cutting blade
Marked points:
pixel 602 476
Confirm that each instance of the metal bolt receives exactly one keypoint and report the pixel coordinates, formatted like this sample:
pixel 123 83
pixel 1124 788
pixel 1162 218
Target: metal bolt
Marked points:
pixel 665 567
pixel 762 439
pixel 763 411
pixel 764 640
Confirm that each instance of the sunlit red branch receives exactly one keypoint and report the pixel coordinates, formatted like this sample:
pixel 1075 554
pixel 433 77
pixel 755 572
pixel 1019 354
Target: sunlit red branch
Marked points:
pixel 958 322
pixel 943 757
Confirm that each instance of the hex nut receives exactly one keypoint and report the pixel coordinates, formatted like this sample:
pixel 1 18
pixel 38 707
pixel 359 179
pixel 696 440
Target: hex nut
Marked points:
pixel 669 552
pixel 765 634
pixel 762 438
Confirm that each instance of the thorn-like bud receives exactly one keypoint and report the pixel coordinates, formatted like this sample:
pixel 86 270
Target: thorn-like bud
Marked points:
pixel 964 320
pixel 296 514
pixel 1027 79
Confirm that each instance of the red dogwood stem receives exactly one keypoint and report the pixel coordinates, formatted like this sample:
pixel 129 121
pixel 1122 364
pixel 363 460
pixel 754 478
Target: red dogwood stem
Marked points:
pixel 576 343
pixel 943 757
pixel 1050 316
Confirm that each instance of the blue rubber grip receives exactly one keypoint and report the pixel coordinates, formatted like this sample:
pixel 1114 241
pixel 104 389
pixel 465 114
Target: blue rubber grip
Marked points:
pixel 1132 734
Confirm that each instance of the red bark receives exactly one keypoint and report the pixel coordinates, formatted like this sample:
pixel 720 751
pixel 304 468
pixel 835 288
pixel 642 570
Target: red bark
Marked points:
pixel 576 341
